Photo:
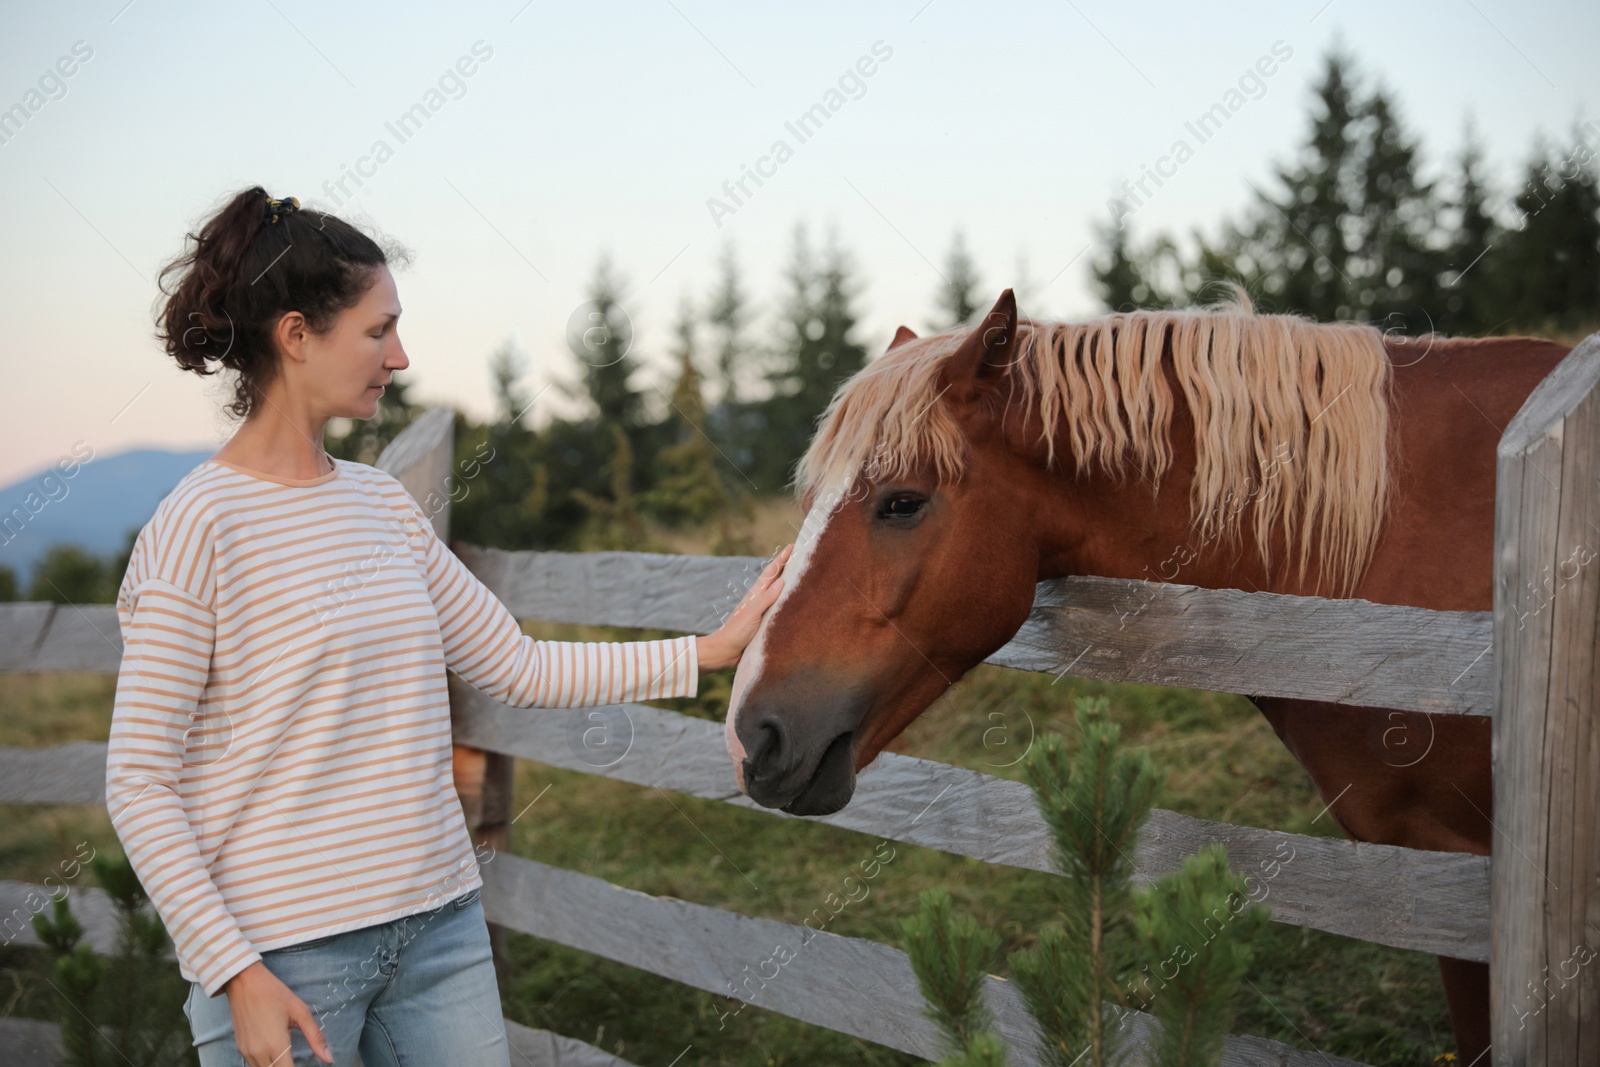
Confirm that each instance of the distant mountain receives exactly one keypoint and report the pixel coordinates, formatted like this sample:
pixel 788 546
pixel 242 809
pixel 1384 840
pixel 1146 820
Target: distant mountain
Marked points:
pixel 95 508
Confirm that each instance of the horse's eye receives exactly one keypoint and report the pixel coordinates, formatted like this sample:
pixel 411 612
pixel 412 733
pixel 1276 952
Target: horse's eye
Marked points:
pixel 901 506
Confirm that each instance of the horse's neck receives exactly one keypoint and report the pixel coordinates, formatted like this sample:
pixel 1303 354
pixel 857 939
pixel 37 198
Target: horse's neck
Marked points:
pixel 1451 398
pixel 1096 525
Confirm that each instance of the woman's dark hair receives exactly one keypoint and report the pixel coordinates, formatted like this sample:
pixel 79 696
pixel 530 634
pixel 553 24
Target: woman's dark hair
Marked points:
pixel 243 274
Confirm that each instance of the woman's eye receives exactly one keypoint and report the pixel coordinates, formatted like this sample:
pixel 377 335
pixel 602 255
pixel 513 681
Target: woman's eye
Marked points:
pixel 901 506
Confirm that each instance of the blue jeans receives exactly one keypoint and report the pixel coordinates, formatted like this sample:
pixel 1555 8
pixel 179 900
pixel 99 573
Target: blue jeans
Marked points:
pixel 414 991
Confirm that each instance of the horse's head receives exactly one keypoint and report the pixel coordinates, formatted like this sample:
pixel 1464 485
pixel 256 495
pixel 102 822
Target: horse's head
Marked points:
pixel 901 579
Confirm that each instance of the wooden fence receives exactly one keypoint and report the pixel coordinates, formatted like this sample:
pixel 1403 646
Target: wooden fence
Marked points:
pixel 1531 663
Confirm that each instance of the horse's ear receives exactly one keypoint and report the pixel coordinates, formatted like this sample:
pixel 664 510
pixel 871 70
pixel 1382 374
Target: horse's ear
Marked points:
pixel 986 352
pixel 901 336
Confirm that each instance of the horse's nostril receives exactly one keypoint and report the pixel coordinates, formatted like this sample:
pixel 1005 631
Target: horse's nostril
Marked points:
pixel 767 750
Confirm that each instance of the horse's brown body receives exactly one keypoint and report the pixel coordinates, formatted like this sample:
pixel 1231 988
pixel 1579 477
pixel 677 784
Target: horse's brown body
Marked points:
pixel 1414 780
pixel 886 613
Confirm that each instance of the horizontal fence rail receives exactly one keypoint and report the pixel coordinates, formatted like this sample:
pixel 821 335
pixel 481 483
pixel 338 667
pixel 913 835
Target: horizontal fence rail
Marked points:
pixel 1111 629
pixel 35 1043
pixel 1435 902
pixel 38 636
pixel 849 985
pixel 1224 640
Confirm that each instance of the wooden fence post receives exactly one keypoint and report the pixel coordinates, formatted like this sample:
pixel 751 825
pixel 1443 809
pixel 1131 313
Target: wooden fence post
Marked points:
pixel 1545 878
pixel 421 458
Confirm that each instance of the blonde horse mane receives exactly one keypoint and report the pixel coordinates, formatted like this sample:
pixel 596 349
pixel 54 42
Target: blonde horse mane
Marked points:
pixel 1290 413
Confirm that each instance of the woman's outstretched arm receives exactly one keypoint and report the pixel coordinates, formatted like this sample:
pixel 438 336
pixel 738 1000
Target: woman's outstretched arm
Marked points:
pixel 484 645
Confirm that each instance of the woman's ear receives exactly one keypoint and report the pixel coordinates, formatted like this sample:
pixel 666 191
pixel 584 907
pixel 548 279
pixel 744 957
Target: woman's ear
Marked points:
pixel 290 334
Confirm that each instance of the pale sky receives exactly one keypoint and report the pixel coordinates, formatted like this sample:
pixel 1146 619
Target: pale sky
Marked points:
pixel 596 127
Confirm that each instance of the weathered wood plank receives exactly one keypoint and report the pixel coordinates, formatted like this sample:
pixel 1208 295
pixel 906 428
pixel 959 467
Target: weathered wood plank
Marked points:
pixel 81 637
pixel 420 459
pixel 1544 999
pixel 37 1043
pixel 1225 640
pixel 1436 902
pixel 848 985
pixel 1259 644
pixel 64 637
pixel 648 589
pixel 91 906
pixel 34 1043
pixel 541 1048
pixel 22 627
pixel 73 773
pixel 1264 644
pixel 31 1043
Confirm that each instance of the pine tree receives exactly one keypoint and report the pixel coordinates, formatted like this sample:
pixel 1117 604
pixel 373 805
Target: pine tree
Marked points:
pixel 1298 238
pixel 1080 978
pixel 614 520
pixel 1351 232
pixel 1123 274
pixel 1469 297
pixel 1550 262
pixel 950 957
pixel 687 487
pixel 1113 269
pixel 957 299
pixel 734 419
pixel 1394 271
pixel 502 504
pixel 601 340
pixel 507 365
pixel 816 351
pixel 1201 921
pixel 126 1008
pixel 839 355
pixel 1094 802
pixel 728 315
pixel 800 325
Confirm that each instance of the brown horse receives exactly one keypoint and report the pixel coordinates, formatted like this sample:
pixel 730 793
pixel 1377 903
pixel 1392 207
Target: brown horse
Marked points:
pixel 936 498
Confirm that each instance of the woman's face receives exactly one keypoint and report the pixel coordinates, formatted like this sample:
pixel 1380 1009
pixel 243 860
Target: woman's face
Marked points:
pixel 346 368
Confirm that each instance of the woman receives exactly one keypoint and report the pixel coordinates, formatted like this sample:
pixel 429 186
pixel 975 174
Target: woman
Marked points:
pixel 279 767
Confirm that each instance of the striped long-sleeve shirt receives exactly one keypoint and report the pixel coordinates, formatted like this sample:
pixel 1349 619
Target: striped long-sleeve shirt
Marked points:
pixel 279 767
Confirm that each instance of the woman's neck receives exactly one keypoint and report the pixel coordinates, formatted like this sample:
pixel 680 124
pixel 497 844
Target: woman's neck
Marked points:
pixel 279 437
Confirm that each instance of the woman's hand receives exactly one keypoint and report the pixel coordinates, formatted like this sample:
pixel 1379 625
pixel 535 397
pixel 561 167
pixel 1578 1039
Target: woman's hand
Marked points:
pixel 723 647
pixel 263 1010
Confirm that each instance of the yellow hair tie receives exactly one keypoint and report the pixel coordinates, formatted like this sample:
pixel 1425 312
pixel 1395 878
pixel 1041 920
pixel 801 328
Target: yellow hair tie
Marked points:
pixel 281 207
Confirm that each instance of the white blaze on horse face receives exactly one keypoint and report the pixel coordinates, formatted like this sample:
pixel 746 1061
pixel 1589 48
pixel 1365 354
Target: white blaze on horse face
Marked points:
pixel 749 669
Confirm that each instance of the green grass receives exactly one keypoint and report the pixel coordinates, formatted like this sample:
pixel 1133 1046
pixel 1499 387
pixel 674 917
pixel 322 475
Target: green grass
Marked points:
pixel 1309 989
